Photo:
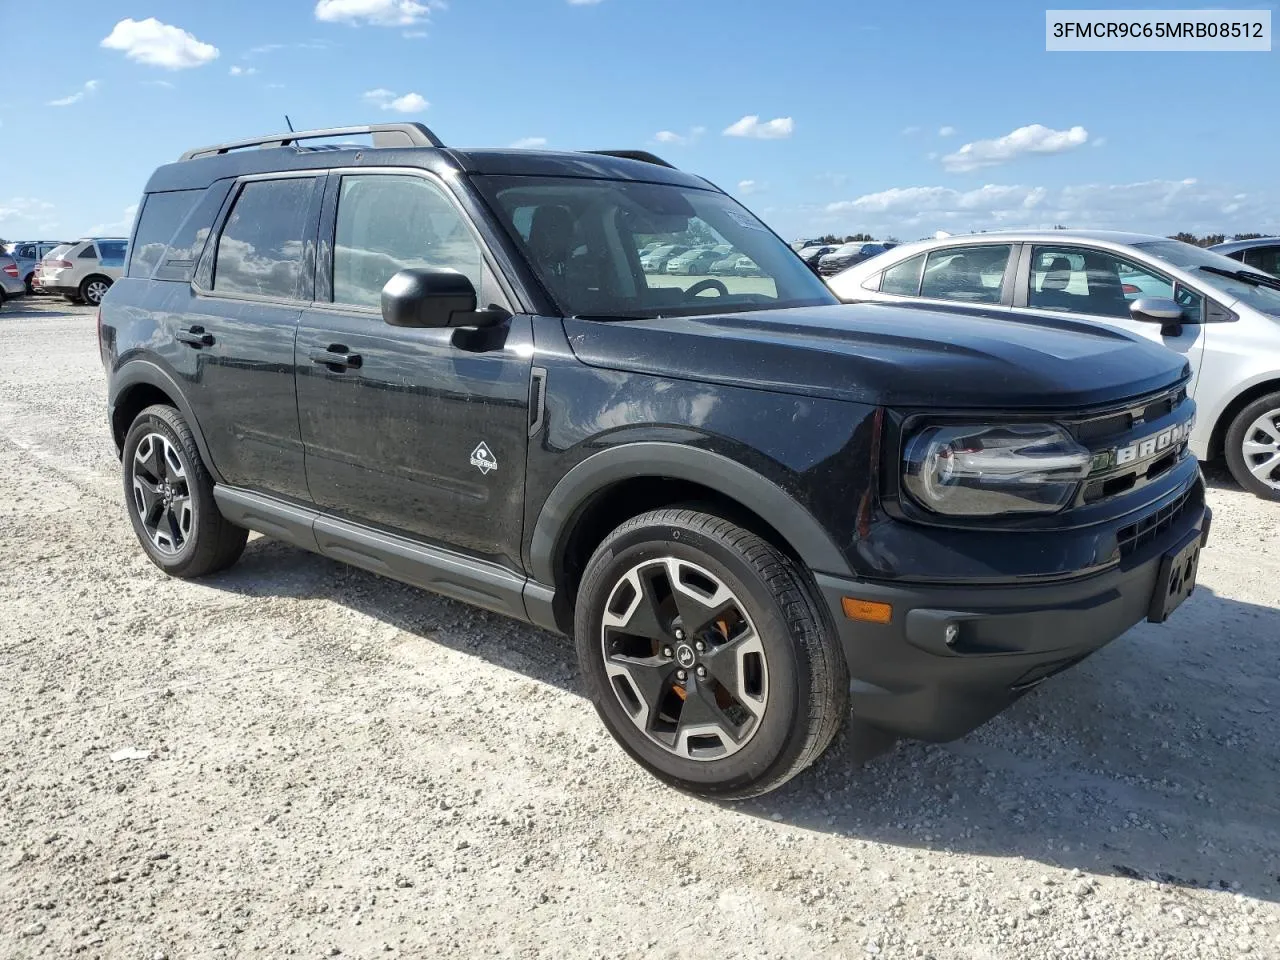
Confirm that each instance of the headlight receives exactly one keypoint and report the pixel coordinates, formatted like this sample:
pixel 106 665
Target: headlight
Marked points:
pixel 977 470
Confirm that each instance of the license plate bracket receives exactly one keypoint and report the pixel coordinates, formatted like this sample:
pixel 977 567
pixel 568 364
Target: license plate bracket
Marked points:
pixel 1177 578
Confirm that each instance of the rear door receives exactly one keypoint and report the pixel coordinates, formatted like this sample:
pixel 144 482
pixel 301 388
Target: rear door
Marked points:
pixel 235 333
pixel 422 432
pixel 1100 286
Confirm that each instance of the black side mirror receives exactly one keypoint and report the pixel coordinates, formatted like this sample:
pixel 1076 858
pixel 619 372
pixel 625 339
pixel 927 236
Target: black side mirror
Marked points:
pixel 428 297
pixel 1159 310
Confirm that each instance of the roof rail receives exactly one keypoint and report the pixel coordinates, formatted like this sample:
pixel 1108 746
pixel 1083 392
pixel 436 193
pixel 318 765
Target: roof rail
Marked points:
pixel 644 156
pixel 384 135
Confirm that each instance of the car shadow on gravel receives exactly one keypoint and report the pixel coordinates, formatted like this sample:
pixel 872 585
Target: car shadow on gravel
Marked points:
pixel 1156 760
pixel 1143 762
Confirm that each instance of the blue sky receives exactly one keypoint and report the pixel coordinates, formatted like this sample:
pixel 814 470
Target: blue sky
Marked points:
pixel 862 113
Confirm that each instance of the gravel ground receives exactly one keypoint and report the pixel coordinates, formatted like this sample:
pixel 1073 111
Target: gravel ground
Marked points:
pixel 332 764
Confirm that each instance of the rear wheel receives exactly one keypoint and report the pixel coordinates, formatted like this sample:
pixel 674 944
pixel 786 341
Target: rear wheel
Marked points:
pixel 169 497
pixel 706 655
pixel 1253 447
pixel 93 289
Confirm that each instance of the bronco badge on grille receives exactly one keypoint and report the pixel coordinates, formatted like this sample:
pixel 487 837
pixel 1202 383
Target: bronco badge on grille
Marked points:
pixel 1146 448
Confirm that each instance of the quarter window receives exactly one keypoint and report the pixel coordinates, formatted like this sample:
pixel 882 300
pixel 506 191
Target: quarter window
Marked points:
pixel 162 213
pixel 261 246
pixel 390 223
pixel 90 252
pixel 967 274
pixel 1095 282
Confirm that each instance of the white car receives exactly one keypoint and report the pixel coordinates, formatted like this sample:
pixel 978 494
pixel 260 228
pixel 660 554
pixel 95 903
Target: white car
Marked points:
pixel 82 271
pixel 1223 316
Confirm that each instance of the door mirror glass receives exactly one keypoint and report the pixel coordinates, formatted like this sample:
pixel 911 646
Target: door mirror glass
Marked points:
pixel 427 297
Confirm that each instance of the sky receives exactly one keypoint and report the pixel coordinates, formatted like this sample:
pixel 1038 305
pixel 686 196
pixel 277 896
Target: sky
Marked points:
pixel 897 119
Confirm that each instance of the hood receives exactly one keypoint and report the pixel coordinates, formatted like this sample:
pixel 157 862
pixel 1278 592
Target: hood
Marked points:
pixel 894 355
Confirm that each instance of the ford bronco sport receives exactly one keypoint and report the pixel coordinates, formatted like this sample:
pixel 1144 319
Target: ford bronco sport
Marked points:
pixel 756 509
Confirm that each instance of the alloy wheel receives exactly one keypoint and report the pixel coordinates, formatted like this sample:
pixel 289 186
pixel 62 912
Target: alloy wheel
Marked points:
pixel 1261 448
pixel 684 659
pixel 162 494
pixel 95 291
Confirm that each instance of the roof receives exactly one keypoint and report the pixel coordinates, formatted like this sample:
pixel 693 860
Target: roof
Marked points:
pixel 403 145
pixel 1233 245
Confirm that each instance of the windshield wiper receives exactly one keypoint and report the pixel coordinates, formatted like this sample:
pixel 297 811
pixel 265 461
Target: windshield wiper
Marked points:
pixel 1245 276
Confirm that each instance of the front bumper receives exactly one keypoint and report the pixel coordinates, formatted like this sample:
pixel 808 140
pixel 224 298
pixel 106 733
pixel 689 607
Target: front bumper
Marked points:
pixel 906 677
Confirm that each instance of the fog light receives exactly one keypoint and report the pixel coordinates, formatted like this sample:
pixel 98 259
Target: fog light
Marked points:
pixel 869 611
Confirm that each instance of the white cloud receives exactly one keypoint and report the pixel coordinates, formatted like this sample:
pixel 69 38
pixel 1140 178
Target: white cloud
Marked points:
pixel 910 131
pixel 117 228
pixel 88 88
pixel 243 71
pixel 1152 206
pixel 679 139
pixel 750 126
pixel 20 215
pixel 385 99
pixel 583 3
pixel 378 13
pixel 748 187
pixel 1099 141
pixel 159 45
pixel 946 131
pixel 1034 138
pixel 529 143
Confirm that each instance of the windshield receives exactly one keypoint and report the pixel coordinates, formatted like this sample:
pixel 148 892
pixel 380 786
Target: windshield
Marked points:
pixel 1195 260
pixel 584 238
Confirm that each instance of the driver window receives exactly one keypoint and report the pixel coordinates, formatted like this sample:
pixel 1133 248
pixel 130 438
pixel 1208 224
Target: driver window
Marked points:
pixel 388 223
pixel 699 256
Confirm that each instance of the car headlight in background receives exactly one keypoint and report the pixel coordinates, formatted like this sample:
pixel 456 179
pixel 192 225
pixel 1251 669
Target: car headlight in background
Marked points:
pixel 985 470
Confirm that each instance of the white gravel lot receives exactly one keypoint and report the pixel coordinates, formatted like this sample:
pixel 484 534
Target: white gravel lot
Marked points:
pixel 339 765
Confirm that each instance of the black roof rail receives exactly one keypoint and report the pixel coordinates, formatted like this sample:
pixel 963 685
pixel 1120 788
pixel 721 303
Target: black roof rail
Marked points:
pixel 644 156
pixel 384 135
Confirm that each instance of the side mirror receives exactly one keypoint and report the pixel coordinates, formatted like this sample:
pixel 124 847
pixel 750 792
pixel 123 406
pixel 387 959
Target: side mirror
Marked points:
pixel 428 297
pixel 1159 310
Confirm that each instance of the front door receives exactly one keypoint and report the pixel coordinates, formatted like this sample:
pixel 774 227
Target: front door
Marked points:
pixel 1100 286
pixel 421 432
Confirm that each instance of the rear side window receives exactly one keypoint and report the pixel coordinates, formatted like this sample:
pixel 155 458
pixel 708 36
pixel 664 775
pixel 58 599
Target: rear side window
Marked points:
pixel 162 214
pixel 261 246
pixel 967 274
pixel 112 252
pixel 88 253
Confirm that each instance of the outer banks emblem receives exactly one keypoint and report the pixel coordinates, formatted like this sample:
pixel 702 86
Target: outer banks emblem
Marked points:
pixel 482 458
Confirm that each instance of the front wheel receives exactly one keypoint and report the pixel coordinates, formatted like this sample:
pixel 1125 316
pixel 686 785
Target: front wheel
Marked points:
pixel 1253 447
pixel 706 654
pixel 169 497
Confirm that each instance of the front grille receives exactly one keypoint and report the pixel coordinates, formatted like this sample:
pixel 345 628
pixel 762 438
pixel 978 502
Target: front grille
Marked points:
pixel 1132 538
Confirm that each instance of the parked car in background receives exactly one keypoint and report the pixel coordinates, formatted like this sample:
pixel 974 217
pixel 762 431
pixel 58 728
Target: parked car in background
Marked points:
pixel 655 261
pixel 798 245
pixel 1262 253
pixel 847 256
pixel 28 253
pixel 83 271
pixel 697 261
pixel 1223 316
pixel 724 266
pixel 811 255
pixel 746 267
pixel 10 279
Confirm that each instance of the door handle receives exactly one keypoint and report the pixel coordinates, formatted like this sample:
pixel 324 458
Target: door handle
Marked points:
pixel 337 357
pixel 195 337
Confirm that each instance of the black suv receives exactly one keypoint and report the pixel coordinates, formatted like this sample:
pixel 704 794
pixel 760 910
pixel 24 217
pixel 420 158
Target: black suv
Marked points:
pixel 755 508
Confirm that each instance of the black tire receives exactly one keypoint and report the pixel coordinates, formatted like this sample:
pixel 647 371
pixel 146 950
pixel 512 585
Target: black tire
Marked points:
pixel 93 289
pixel 208 542
pixel 26 282
pixel 805 695
pixel 1240 432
